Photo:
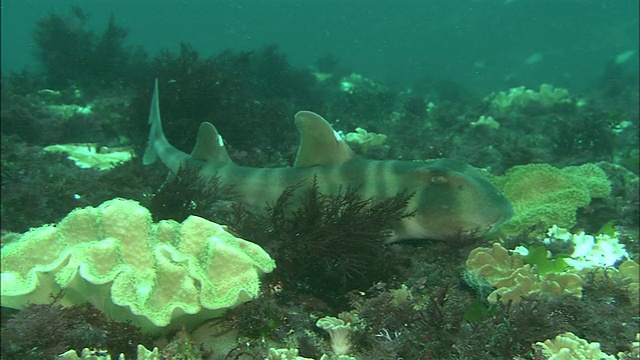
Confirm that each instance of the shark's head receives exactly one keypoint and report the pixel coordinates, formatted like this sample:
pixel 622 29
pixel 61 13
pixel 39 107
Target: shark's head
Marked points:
pixel 453 200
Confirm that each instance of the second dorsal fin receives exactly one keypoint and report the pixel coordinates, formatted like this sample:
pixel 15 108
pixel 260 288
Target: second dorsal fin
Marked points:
pixel 319 143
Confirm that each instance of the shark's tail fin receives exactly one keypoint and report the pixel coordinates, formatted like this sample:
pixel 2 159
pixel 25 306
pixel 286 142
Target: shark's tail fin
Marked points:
pixel 150 154
pixel 158 146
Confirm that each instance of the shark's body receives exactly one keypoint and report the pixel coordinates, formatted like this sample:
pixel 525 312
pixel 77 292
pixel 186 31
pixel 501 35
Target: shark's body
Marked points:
pixel 451 198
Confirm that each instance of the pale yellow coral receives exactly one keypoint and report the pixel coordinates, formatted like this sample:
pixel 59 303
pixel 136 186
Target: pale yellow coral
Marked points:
pixel 524 281
pixel 568 346
pixel 339 331
pixel 284 354
pixel 87 354
pixel 521 97
pixel 630 271
pixel 115 257
pixel 487 121
pixel 549 96
pixel 90 155
pixel 493 264
pixel 513 280
pixel 365 139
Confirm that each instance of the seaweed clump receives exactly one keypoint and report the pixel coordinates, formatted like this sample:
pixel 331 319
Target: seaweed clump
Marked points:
pixel 249 96
pixel 329 244
pixel 445 322
pixel 71 54
pixel 43 331
pixel 185 193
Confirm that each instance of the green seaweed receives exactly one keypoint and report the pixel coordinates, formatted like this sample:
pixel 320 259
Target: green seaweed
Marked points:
pixel 546 264
pixel 608 229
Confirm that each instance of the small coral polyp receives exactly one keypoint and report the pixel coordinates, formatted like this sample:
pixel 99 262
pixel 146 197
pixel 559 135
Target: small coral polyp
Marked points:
pixel 115 257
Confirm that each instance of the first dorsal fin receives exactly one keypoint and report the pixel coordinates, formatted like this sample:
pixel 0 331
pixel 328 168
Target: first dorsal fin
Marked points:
pixel 319 143
pixel 209 145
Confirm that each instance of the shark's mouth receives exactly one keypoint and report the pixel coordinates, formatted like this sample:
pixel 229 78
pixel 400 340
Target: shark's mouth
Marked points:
pixel 474 232
pixel 466 234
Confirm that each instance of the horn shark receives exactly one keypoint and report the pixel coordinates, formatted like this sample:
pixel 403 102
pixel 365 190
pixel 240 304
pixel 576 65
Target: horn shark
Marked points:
pixel 451 199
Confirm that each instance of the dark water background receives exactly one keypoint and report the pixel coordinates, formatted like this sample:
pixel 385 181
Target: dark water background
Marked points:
pixel 483 43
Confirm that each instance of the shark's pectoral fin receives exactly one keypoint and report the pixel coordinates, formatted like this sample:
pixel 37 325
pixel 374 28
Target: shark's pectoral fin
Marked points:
pixel 319 143
pixel 209 145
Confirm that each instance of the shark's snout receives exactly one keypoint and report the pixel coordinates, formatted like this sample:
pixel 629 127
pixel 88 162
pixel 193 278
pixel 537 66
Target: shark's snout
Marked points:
pixel 456 201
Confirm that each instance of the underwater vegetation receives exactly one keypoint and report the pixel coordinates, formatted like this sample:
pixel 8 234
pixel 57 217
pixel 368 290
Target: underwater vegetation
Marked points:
pixel 248 96
pixel 43 331
pixel 70 54
pixel 328 245
pixel 564 157
pixel 184 194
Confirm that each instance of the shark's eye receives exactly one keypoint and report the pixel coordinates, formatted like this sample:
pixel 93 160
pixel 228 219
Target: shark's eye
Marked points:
pixel 439 179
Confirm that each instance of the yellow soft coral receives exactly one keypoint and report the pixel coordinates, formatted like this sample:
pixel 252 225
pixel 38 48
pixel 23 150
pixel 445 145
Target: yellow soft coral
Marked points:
pixel 88 354
pixel 568 346
pixel 493 264
pixel 630 271
pixel 115 257
pixel 90 155
pixel 365 139
pixel 513 280
pixel 520 97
